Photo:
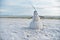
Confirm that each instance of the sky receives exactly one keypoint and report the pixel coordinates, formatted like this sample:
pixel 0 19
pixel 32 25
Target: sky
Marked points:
pixel 24 7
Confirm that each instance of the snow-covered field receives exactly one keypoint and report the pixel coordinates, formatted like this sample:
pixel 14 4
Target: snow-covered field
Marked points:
pixel 17 29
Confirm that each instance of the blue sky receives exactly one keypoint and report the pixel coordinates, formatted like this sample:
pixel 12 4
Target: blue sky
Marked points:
pixel 23 7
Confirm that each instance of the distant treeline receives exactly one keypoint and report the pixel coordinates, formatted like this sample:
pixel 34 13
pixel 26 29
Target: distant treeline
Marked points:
pixel 29 17
pixel 50 17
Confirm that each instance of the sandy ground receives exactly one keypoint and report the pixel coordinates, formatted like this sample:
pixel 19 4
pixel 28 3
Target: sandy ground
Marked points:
pixel 17 29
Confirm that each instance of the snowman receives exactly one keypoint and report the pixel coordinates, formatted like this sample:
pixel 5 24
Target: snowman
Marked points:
pixel 36 21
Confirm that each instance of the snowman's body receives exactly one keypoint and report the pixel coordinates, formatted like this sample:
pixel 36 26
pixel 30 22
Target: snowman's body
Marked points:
pixel 36 22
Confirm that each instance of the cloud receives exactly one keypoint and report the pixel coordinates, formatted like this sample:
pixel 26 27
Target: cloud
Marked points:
pixel 3 10
pixel 10 3
pixel 44 7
